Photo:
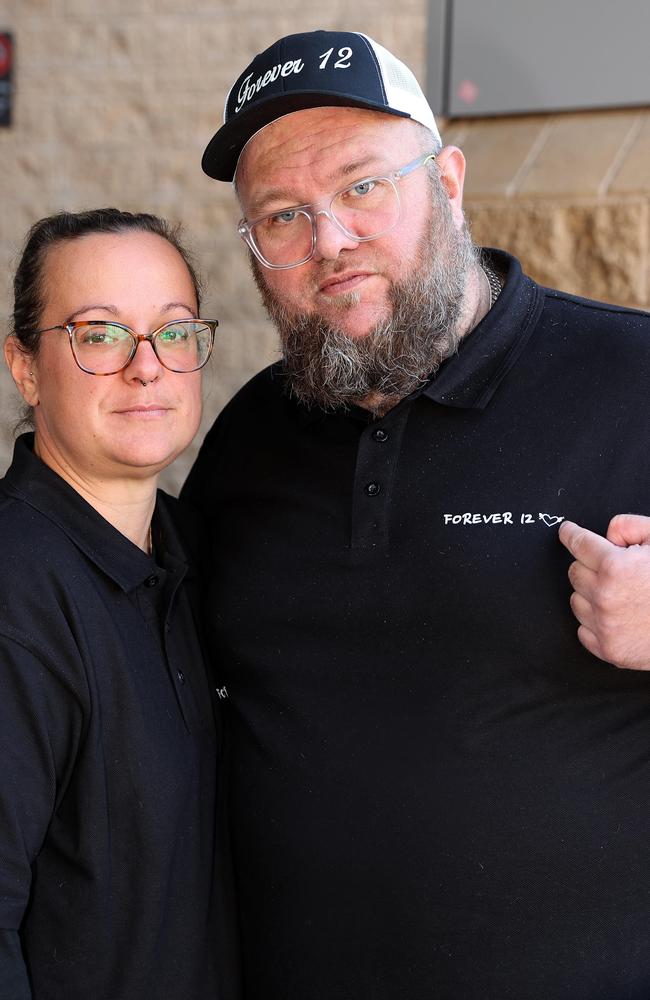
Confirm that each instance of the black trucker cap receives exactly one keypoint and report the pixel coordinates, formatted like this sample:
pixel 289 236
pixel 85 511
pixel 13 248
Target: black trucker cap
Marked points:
pixel 311 70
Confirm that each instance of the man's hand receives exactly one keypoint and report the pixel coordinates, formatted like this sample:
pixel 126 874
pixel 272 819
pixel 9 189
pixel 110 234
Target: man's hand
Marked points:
pixel 611 583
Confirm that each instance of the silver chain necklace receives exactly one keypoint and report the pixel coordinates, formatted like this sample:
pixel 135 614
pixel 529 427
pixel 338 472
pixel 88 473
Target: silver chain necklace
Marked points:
pixel 494 282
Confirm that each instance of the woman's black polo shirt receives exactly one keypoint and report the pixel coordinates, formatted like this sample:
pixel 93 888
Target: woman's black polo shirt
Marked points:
pixel 108 751
pixel 438 794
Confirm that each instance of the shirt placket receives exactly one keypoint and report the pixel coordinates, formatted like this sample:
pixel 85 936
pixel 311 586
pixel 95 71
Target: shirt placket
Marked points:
pixel 374 479
pixel 156 598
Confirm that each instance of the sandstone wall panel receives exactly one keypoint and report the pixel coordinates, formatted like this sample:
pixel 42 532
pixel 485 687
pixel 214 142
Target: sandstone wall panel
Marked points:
pixel 116 99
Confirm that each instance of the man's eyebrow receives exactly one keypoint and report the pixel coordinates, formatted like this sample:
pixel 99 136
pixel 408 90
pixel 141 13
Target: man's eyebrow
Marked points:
pixel 279 196
pixel 285 197
pixel 358 165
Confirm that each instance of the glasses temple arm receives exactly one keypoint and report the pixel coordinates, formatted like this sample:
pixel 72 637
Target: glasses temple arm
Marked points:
pixel 420 162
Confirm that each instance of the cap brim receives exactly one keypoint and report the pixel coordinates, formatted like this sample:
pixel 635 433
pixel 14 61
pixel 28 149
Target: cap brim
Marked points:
pixel 222 152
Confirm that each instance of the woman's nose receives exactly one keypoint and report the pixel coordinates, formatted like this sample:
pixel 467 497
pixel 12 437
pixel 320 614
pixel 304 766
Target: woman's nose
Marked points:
pixel 144 366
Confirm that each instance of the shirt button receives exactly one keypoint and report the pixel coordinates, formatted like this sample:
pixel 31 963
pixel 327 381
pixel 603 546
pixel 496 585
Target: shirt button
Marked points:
pixel 181 676
pixel 380 435
pixel 151 581
pixel 372 489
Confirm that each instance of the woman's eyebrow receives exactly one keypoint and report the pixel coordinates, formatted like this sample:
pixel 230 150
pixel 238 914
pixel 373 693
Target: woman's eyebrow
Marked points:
pixel 103 306
pixel 177 305
pixel 114 311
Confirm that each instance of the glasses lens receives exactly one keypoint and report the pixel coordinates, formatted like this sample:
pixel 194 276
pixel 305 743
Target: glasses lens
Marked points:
pixel 285 238
pixel 184 346
pixel 101 348
pixel 368 208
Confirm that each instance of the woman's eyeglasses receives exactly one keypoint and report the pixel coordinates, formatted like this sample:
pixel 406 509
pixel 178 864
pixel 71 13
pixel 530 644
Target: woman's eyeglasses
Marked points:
pixel 101 348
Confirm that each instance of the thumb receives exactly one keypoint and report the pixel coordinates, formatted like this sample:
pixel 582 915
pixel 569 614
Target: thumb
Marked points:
pixel 629 529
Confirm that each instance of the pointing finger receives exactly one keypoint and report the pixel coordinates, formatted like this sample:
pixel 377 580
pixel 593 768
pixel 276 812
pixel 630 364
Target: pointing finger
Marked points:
pixel 586 546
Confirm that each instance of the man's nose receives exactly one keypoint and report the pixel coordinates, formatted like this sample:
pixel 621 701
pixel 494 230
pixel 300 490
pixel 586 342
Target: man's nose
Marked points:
pixel 330 238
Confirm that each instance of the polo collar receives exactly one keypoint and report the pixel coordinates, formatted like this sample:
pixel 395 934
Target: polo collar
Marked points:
pixel 33 482
pixel 469 379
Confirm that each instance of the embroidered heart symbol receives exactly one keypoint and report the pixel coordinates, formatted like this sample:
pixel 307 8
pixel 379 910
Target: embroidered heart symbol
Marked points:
pixel 550 519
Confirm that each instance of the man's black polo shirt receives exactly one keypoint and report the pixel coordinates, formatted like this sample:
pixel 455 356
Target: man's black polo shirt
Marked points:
pixel 108 750
pixel 438 794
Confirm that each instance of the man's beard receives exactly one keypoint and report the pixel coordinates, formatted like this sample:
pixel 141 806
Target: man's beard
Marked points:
pixel 326 367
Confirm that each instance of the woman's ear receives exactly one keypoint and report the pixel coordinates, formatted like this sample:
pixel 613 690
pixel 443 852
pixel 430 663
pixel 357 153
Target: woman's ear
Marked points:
pixel 21 365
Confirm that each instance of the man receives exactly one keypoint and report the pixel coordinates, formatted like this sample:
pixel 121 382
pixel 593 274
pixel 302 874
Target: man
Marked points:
pixel 437 791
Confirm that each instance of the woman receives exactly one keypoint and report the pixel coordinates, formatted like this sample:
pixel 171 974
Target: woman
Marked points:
pixel 108 887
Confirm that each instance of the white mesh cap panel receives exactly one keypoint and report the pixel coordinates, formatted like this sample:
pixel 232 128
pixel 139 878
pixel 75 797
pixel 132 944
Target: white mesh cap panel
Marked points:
pixel 403 91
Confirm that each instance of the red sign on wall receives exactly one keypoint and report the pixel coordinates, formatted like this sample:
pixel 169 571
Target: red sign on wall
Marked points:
pixel 6 61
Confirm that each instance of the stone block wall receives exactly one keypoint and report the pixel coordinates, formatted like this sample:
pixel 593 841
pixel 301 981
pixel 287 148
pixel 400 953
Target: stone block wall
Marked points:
pixel 116 99
pixel 114 103
pixel 569 194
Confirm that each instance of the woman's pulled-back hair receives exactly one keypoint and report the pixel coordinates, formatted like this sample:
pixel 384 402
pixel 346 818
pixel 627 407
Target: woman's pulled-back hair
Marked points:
pixel 48 232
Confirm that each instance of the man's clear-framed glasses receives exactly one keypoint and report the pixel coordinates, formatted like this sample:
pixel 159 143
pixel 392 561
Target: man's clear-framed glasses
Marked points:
pixel 365 210
pixel 106 348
